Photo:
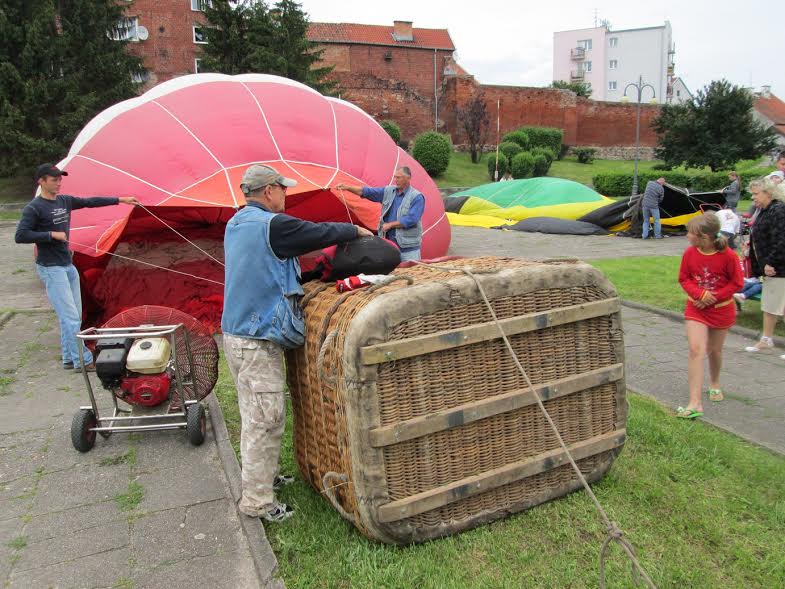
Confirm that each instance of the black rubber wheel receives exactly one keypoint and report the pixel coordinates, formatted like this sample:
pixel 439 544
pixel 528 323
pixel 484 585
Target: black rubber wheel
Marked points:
pixel 196 423
pixel 81 437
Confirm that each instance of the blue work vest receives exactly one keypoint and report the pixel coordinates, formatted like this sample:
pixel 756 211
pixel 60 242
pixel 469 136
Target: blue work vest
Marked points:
pixel 261 291
pixel 406 238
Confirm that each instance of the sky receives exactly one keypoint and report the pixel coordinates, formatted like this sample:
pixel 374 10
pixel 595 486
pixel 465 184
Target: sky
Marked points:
pixel 511 42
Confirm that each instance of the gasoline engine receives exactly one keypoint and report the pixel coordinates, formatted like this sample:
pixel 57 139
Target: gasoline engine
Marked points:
pixel 137 371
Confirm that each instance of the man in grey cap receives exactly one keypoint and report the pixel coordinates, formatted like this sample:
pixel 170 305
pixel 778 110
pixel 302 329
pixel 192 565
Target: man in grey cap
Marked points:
pixel 46 222
pixel 650 204
pixel 262 317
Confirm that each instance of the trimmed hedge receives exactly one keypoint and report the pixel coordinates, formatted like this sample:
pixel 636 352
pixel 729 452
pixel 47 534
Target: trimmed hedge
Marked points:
pixel 620 184
pixel 518 137
pixel 504 165
pixel 544 137
pixel 547 152
pixel 433 151
pixel 522 165
pixel 541 165
pixel 393 130
pixel 510 149
pixel 585 155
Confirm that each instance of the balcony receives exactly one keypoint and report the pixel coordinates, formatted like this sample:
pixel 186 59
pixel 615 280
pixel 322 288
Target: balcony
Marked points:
pixel 578 53
pixel 576 76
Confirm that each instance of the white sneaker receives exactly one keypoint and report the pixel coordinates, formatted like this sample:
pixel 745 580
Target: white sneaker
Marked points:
pixel 765 343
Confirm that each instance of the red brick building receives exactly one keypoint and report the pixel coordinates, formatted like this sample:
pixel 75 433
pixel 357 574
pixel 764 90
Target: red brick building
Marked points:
pixel 166 34
pixel 392 72
pixel 397 72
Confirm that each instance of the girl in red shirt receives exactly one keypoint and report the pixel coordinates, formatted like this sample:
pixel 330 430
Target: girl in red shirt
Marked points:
pixel 710 273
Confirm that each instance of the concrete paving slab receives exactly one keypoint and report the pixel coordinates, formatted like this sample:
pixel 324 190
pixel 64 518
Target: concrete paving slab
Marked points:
pixel 184 533
pixel 68 547
pixel 80 485
pixel 70 521
pixel 178 487
pixel 109 568
pixel 217 572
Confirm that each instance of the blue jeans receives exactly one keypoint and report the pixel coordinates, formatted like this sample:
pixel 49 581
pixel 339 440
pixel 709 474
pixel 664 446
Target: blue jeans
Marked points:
pixel 62 288
pixel 751 289
pixel 647 212
pixel 409 256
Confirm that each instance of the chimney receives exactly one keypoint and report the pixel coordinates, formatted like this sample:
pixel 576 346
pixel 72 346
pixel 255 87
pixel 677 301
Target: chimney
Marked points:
pixel 402 30
pixel 765 91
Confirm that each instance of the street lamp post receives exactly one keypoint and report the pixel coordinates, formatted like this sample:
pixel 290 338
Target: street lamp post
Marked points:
pixel 640 87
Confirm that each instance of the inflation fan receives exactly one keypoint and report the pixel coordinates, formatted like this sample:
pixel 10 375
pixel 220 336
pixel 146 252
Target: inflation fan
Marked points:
pixel 160 363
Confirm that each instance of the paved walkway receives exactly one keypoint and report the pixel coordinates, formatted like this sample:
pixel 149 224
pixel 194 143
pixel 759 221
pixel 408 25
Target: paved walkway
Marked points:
pixel 655 344
pixel 146 510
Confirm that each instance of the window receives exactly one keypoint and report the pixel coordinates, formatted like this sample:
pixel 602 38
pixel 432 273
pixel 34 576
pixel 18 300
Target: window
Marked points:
pixel 140 78
pixel 200 5
pixel 585 66
pixel 200 36
pixel 611 85
pixel 678 93
pixel 613 64
pixel 125 30
pixel 584 43
pixel 197 66
pixel 613 42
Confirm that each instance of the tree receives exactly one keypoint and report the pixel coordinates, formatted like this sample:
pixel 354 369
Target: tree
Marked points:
pixel 473 116
pixel 716 129
pixel 250 37
pixel 580 88
pixel 58 68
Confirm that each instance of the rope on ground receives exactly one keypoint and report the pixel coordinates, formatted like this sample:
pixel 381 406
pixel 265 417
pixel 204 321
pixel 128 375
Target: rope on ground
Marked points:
pixel 613 532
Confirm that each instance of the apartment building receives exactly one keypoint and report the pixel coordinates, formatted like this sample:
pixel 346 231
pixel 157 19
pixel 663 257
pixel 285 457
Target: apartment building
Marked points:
pixel 609 60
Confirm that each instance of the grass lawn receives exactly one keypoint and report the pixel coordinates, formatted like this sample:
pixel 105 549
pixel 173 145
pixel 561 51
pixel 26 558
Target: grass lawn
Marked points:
pixel 10 215
pixel 655 281
pixel 701 507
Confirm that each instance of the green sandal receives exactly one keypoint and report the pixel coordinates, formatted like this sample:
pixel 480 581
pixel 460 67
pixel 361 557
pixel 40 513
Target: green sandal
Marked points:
pixel 685 413
pixel 716 395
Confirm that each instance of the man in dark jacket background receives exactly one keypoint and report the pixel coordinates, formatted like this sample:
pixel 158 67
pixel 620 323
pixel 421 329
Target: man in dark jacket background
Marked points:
pixel 650 206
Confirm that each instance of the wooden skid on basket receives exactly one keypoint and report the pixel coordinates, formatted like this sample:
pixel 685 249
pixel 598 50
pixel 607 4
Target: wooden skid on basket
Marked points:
pixel 411 417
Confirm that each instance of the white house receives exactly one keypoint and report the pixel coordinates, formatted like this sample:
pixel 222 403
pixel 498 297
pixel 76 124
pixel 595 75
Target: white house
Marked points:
pixel 609 60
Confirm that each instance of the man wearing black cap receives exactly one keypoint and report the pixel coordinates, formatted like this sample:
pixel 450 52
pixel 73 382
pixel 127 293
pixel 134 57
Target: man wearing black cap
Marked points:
pixel 261 318
pixel 46 222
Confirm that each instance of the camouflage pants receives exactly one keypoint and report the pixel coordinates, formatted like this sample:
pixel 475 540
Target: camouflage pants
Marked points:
pixel 257 370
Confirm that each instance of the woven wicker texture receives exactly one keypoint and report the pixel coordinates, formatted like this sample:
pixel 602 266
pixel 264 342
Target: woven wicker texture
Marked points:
pixel 336 403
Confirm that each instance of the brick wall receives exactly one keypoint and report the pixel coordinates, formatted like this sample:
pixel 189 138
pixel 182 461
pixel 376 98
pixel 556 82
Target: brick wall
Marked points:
pixel 584 122
pixel 390 82
pixel 169 51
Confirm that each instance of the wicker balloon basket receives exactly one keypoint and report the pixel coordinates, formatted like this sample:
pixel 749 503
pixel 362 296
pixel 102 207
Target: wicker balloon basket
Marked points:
pixel 410 415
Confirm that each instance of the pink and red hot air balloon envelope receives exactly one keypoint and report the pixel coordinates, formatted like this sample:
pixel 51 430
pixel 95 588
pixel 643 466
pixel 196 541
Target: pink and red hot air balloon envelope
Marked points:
pixel 181 149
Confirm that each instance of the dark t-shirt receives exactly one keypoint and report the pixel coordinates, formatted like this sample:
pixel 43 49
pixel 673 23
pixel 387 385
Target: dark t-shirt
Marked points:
pixel 42 216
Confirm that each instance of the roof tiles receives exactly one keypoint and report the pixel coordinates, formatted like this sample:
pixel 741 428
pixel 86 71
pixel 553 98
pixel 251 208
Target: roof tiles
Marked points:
pixel 350 33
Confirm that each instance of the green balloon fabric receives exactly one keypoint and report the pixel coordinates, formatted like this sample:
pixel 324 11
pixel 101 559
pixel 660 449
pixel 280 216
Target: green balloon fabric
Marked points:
pixel 533 192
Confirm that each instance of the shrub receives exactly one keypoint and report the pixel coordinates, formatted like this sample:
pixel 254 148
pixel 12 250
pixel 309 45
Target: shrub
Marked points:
pixel 544 137
pixel 518 137
pixel 510 149
pixel 563 151
pixel 545 152
pixel 522 165
pixel 541 165
pixel 504 165
pixel 585 155
pixel 433 151
pixel 392 129
pixel 620 184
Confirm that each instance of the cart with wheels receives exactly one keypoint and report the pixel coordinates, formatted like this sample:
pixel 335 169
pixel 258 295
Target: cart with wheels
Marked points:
pixel 160 363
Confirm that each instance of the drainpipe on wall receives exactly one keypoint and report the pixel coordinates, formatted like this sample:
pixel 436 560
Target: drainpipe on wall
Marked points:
pixel 435 96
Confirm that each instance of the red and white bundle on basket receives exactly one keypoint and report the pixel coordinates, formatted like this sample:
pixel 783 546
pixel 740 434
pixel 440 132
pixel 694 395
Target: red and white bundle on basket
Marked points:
pixel 359 281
